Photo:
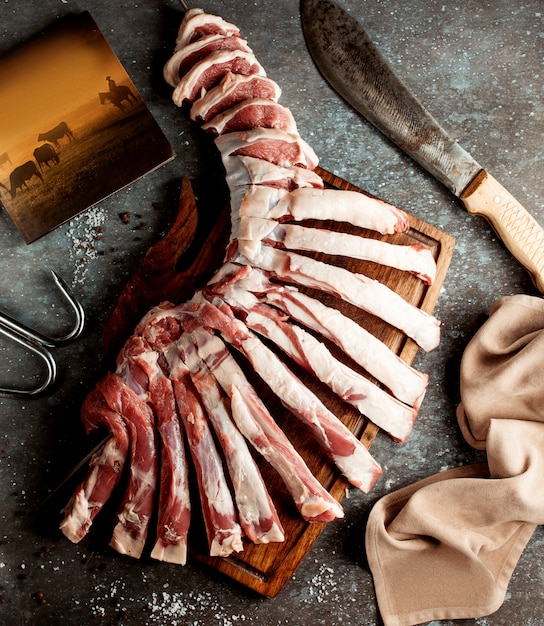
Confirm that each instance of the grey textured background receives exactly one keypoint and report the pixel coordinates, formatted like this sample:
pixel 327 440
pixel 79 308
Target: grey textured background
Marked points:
pixel 477 66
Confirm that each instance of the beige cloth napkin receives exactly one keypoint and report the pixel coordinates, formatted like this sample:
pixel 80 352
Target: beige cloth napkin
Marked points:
pixel 445 547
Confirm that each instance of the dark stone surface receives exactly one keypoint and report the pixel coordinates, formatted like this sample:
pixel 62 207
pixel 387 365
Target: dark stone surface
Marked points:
pixel 478 68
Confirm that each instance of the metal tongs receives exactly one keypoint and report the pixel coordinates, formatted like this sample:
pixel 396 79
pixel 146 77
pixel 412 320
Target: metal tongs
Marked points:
pixel 38 344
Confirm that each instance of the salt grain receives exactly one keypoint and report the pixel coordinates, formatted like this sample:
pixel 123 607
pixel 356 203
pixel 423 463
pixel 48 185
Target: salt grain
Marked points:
pixel 175 609
pixel 85 231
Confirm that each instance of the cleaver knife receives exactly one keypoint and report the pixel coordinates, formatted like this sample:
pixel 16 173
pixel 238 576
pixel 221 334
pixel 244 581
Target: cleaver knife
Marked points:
pixel 355 68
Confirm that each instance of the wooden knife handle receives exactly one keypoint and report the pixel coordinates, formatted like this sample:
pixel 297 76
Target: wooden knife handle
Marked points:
pixel 518 230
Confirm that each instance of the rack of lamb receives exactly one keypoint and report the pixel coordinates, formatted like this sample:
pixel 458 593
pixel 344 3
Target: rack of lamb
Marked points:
pixel 181 403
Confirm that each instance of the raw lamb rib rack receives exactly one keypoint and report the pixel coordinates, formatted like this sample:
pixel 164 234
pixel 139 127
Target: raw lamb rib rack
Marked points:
pixel 179 400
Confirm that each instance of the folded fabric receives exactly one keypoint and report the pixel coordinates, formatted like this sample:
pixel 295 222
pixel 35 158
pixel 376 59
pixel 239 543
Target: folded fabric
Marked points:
pixel 445 547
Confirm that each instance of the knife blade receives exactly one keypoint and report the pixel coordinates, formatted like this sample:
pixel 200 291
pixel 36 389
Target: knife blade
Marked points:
pixel 355 68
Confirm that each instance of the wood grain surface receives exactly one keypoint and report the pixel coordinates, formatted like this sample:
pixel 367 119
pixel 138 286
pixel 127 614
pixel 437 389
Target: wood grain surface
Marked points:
pixel 266 568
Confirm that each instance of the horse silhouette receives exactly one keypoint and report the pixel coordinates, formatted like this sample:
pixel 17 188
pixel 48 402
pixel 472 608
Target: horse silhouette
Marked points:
pixel 21 174
pixel 56 133
pixel 117 95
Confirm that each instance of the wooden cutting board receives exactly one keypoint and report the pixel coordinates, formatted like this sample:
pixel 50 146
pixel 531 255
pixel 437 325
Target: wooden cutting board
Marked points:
pixel 266 568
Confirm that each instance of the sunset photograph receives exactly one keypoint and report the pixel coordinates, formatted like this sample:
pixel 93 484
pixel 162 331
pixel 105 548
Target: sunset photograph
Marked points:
pixel 73 127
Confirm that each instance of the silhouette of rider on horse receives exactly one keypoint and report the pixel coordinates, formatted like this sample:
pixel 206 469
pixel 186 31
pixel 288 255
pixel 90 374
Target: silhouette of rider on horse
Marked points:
pixel 117 94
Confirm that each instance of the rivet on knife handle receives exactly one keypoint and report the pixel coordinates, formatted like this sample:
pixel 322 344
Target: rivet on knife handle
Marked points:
pixel 517 229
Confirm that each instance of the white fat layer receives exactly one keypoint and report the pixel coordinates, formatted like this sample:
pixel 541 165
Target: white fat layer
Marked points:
pixel 246 170
pixel 229 84
pixel 351 466
pixel 78 519
pixel 361 291
pixel 219 122
pixel 381 408
pixel 187 84
pixel 417 260
pixel 306 203
pixel 405 382
pixel 254 503
pixel 315 507
pixel 226 543
pixel 343 205
pixel 231 142
pixel 175 551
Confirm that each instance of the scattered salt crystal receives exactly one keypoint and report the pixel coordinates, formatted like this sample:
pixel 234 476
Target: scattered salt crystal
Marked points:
pixel 85 231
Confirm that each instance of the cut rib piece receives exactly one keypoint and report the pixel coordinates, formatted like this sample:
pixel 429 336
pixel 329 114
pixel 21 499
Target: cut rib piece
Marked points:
pixel 207 73
pixel 337 441
pixel 338 205
pixel 220 517
pixel 347 206
pixel 139 367
pixel 416 258
pixel 361 291
pixel 233 89
pixel 252 113
pixel 384 410
pixel 258 516
pixel 271 144
pixel 196 23
pixel 105 466
pixel 134 515
pixel 313 501
pixel 174 509
pixel 183 60
pixel 243 171
pixel 403 381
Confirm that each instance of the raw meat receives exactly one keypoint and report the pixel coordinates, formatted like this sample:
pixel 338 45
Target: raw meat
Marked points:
pixel 351 457
pixel 405 382
pixel 233 89
pixel 381 408
pixel 416 258
pixel 137 507
pixel 258 516
pixel 271 144
pixel 347 206
pixel 361 291
pixel 252 113
pixel 159 327
pixel 314 503
pixel 196 23
pixel 220 516
pixel 183 60
pixel 207 73
pixel 138 365
pixel 176 380
pixel 105 467
pixel 321 204
pixel 174 507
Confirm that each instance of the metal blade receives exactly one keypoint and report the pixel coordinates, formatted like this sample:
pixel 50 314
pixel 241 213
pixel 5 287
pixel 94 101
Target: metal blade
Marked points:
pixel 354 67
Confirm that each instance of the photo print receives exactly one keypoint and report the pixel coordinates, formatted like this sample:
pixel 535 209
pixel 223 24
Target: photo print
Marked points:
pixel 73 127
